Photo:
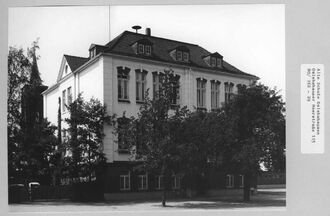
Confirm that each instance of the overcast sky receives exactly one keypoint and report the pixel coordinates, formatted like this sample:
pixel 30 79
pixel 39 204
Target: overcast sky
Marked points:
pixel 251 37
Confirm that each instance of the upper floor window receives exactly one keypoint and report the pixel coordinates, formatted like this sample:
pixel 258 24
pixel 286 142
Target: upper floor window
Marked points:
pixel 156 84
pixel 123 81
pixel 240 88
pixel 141 83
pixel 215 94
pixel 175 89
pixel 228 91
pixel 141 48
pixel 64 100
pixel 201 93
pixel 69 95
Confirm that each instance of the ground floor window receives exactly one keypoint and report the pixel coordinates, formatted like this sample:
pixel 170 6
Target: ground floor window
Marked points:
pixel 143 182
pixel 159 182
pixel 230 181
pixel 241 181
pixel 176 181
pixel 125 181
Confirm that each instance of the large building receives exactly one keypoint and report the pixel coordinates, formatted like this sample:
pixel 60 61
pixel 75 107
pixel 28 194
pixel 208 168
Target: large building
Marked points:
pixel 119 73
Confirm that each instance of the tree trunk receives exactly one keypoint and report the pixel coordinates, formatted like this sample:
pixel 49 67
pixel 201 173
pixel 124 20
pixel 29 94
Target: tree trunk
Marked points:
pixel 164 198
pixel 247 186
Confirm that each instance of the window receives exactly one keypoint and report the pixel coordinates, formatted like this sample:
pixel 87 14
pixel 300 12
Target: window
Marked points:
pixel 143 182
pixel 176 90
pixel 148 49
pixel 141 85
pixel 240 87
pixel 156 83
pixel 123 145
pixel 213 62
pixel 63 100
pixel 185 56
pixel 241 181
pixel 141 48
pixel 201 93
pixel 176 180
pixel 179 55
pixel 69 96
pixel 215 94
pixel 125 181
pixel 159 182
pixel 219 62
pixel 228 91
pixel 123 80
pixel 66 69
pixel 230 181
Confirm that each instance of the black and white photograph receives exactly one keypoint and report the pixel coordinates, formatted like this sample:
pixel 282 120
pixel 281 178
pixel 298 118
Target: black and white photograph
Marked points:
pixel 146 108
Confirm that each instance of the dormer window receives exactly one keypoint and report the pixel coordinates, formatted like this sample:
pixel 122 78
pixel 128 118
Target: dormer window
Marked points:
pixel 148 49
pixel 180 54
pixel 185 56
pixel 143 47
pixel 214 60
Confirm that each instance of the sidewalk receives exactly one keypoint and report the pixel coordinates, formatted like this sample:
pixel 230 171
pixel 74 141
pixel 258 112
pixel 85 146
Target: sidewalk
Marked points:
pixel 264 200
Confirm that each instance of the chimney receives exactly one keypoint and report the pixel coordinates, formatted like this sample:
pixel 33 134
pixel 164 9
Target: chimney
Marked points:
pixel 148 31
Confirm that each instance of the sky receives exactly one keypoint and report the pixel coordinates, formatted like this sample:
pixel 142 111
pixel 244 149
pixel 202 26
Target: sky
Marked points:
pixel 251 37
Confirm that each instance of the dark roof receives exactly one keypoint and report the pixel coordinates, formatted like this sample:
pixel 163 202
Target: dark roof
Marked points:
pixel 122 45
pixel 75 61
pixel 161 48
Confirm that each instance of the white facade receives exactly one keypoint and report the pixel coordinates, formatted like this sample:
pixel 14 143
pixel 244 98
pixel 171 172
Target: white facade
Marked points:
pixel 98 78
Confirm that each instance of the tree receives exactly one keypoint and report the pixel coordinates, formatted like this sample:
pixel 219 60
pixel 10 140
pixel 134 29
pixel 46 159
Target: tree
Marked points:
pixel 257 116
pixel 153 135
pixel 30 138
pixel 85 142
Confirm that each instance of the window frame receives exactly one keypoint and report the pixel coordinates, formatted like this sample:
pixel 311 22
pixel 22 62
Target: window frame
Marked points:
pixel 241 181
pixel 148 49
pixel 122 145
pixel 141 48
pixel 201 93
pixel 123 84
pixel 69 95
pixel 160 182
pixel 176 182
pixel 179 55
pixel 125 177
pixel 144 179
pixel 140 85
pixel 215 95
pixel 185 56
pixel 230 181
pixel 64 100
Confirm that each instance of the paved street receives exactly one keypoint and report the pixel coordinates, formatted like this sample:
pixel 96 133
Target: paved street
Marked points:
pixel 266 199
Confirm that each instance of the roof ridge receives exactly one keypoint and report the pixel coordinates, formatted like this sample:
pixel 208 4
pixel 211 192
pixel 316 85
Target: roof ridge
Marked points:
pixel 75 56
pixel 161 38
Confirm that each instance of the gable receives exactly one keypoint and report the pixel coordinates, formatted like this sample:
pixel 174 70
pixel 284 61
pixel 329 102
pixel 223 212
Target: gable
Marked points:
pixel 70 64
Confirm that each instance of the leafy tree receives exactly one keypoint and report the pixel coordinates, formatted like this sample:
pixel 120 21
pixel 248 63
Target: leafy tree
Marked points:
pixel 153 135
pixel 85 142
pixel 30 138
pixel 258 124
pixel 18 76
